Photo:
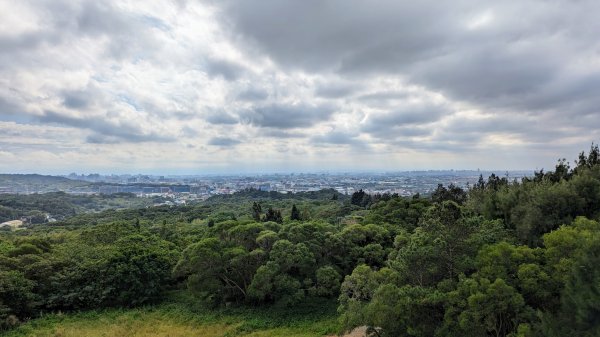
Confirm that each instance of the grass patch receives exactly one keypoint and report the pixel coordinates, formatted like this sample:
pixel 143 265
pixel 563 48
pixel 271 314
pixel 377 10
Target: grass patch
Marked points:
pixel 184 316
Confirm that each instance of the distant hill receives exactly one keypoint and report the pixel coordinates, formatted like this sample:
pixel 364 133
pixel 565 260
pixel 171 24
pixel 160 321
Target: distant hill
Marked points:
pixel 34 178
pixel 23 183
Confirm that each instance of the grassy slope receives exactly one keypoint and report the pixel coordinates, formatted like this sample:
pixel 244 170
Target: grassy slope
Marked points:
pixel 179 319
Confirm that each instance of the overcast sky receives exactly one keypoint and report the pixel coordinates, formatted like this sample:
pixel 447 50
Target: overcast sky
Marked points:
pixel 311 85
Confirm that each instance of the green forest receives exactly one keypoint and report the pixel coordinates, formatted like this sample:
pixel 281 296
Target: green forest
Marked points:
pixel 501 258
pixel 62 206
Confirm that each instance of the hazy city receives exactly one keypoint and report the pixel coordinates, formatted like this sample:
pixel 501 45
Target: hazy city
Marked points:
pixel 188 188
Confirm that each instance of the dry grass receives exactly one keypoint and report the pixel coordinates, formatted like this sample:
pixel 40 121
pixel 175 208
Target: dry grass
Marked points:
pixel 124 325
pixel 137 329
pixel 169 321
pixel 151 328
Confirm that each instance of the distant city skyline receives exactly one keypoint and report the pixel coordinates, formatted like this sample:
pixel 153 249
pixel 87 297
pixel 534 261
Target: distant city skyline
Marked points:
pixel 187 188
pixel 172 174
pixel 236 86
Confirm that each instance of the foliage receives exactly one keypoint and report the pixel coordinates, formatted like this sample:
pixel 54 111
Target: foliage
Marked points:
pixel 60 205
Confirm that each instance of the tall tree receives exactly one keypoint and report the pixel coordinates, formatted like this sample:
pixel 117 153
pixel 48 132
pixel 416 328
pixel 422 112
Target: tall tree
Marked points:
pixel 273 215
pixel 256 211
pixel 360 198
pixel 295 213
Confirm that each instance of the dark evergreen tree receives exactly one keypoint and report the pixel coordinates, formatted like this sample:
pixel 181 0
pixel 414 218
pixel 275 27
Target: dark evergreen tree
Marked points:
pixel 295 213
pixel 357 197
pixel 452 193
pixel 256 211
pixel 592 159
pixel 360 198
pixel 480 185
pixel 273 215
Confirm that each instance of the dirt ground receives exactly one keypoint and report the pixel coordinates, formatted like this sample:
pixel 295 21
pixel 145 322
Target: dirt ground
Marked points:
pixel 358 332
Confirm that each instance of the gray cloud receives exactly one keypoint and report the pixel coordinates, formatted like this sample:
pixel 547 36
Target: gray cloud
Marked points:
pixel 104 130
pixel 221 117
pixel 288 116
pixel 490 77
pixel 337 90
pixel 454 146
pixel 336 137
pixel 513 55
pixel 223 141
pixel 77 99
pixel 61 21
pixel 230 71
pixel 97 18
pixel 525 128
pixel 384 96
pixel 385 100
pixel 25 41
pixel 409 131
pixel 410 120
pixel 188 131
pixel 252 95
pixel 320 42
pixel 9 108
pixel 103 139
pixel 404 123
pixel 278 133
pixel 129 33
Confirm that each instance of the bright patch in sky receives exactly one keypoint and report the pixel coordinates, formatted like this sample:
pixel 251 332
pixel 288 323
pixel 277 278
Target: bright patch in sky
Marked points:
pixel 480 21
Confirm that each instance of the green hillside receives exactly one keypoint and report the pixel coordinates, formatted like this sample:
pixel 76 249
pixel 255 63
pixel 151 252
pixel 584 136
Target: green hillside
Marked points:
pixel 38 183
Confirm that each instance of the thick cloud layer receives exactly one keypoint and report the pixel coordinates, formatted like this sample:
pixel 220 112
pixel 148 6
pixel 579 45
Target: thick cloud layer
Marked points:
pixel 239 85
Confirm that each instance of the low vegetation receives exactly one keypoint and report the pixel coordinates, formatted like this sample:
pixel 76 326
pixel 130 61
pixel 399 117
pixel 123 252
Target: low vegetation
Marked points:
pixel 179 318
